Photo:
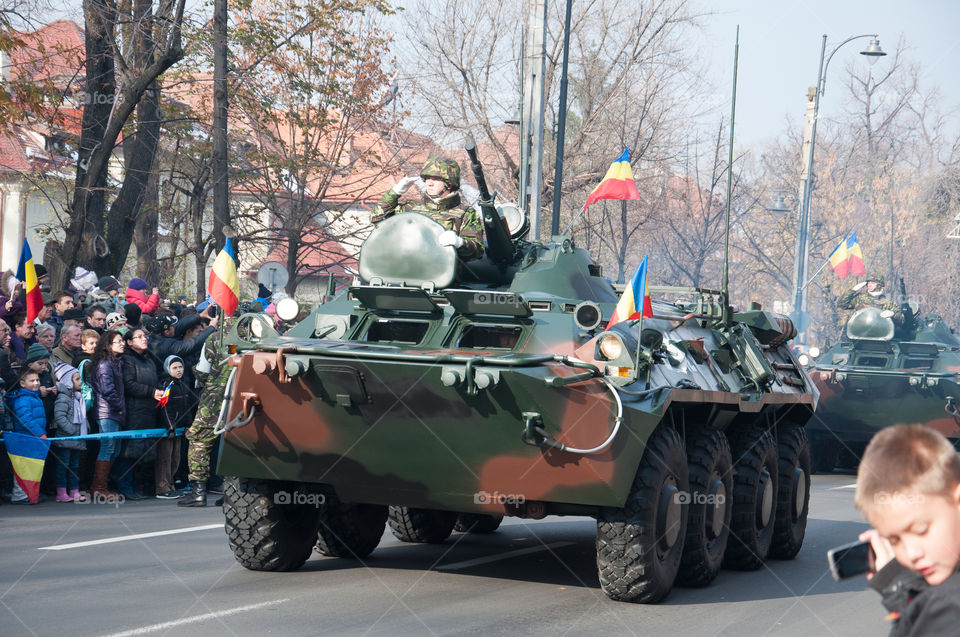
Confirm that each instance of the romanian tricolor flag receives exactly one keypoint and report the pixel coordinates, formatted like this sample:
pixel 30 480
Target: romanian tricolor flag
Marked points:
pixel 166 396
pixel 617 183
pixel 27 274
pixel 224 285
pixel 27 455
pixel 627 308
pixel 846 258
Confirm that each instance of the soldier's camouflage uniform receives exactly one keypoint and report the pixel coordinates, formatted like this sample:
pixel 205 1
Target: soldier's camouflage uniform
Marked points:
pixel 858 299
pixel 200 436
pixel 447 210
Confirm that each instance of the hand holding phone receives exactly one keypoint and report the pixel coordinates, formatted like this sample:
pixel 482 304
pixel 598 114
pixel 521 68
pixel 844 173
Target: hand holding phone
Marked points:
pixel 850 560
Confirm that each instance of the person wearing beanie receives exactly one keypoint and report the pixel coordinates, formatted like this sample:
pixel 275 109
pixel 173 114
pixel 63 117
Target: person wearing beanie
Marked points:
pixel 108 294
pixel 38 360
pixel 177 412
pixel 263 296
pixel 70 419
pixel 73 317
pixel 116 321
pixel 133 314
pixel 136 294
pixel 28 418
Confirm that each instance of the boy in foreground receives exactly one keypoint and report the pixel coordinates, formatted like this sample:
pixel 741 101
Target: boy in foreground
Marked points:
pixel 908 486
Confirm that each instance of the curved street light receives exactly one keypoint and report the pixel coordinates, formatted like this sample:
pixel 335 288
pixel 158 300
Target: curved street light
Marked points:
pixel 801 318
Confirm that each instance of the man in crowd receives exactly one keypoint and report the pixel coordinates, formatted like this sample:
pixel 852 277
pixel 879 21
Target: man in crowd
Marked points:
pixel 62 301
pixel 69 348
pixel 22 336
pixel 73 316
pixel 96 318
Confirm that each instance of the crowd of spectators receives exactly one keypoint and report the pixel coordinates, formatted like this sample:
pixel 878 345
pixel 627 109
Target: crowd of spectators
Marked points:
pixel 102 358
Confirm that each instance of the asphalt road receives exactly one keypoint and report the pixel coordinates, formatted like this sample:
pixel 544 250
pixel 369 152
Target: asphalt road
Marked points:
pixel 531 577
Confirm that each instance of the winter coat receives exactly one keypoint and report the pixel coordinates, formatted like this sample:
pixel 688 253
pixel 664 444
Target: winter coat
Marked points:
pixel 139 382
pixel 108 390
pixel 6 314
pixel 179 408
pixel 187 349
pixel 7 373
pixel 62 354
pixel 921 609
pixel 27 412
pixel 147 304
pixel 104 300
pixel 47 380
pixel 63 415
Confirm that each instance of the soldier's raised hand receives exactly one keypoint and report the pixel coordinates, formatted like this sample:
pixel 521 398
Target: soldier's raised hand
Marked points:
pixel 404 184
pixel 859 286
pixel 450 238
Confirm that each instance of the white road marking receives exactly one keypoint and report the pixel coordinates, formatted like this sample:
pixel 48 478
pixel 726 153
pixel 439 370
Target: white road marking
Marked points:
pixel 501 556
pixel 143 630
pixel 844 486
pixel 126 538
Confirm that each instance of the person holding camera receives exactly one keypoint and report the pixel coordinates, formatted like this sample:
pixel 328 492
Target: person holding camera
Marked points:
pixel 908 486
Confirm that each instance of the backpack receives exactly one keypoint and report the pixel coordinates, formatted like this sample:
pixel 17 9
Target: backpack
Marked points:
pixel 85 390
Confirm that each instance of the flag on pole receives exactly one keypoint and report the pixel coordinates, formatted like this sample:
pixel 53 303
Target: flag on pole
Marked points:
pixel 846 258
pixel 638 290
pixel 617 183
pixel 27 274
pixel 27 455
pixel 224 285
pixel 165 396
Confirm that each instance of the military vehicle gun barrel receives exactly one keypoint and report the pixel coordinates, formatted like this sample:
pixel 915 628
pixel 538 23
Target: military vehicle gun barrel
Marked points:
pixel 499 245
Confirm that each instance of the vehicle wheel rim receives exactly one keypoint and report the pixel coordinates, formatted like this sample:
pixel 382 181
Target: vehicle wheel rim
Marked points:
pixel 669 515
pixel 799 492
pixel 765 501
pixel 718 504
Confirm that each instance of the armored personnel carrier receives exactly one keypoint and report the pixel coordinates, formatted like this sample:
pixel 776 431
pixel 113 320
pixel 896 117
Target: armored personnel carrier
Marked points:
pixel 880 376
pixel 436 396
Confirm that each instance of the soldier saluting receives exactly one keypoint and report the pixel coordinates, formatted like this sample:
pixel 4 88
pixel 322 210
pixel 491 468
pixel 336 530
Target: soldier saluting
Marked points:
pixel 442 203
pixel 870 293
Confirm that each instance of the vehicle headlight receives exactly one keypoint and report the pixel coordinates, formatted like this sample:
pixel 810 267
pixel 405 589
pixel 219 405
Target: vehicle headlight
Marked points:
pixel 803 359
pixel 287 309
pixel 814 352
pixel 610 346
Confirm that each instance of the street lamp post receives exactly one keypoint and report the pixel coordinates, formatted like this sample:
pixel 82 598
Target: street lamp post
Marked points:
pixel 800 316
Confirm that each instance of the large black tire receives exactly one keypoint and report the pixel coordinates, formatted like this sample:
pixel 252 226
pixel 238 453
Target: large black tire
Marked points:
pixel 755 470
pixel 640 545
pixel 710 469
pixel 350 530
pixel 264 533
pixel 477 523
pixel 421 525
pixel 793 492
pixel 824 455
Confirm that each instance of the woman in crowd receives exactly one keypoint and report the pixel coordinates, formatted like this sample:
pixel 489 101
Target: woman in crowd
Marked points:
pixel 109 404
pixel 140 391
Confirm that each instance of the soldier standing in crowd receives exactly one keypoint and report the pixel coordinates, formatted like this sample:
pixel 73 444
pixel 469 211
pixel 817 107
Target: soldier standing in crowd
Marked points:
pixel 442 203
pixel 200 436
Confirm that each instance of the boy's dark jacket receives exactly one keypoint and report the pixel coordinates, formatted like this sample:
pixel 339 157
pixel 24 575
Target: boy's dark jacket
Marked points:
pixel 177 411
pixel 923 609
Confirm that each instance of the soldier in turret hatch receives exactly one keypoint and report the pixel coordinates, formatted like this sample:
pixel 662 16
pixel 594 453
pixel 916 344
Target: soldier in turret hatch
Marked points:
pixel 442 203
pixel 870 293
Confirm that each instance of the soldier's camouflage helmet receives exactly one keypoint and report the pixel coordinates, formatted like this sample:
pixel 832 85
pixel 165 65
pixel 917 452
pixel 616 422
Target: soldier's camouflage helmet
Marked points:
pixel 875 276
pixel 446 170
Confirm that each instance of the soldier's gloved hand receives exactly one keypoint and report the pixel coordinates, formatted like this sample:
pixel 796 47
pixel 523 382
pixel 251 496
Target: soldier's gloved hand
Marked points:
pixel 859 286
pixel 404 184
pixel 450 238
pixel 886 313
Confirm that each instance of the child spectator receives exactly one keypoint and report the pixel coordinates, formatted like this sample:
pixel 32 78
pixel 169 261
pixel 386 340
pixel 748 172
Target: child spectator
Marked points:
pixel 38 360
pixel 88 341
pixel 70 416
pixel 136 294
pixel 26 411
pixel 175 413
pixel 908 486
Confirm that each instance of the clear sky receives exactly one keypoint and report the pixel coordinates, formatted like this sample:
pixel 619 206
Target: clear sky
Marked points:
pixel 780 52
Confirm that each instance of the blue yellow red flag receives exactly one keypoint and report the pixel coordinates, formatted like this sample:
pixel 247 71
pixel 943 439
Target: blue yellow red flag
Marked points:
pixel 846 258
pixel 638 290
pixel 224 284
pixel 27 455
pixel 165 396
pixel 617 183
pixel 27 274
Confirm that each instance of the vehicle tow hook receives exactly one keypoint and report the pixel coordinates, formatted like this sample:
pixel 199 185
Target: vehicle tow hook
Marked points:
pixel 250 403
pixel 531 422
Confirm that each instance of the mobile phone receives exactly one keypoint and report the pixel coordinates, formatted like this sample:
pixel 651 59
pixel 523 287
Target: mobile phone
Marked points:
pixel 850 560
